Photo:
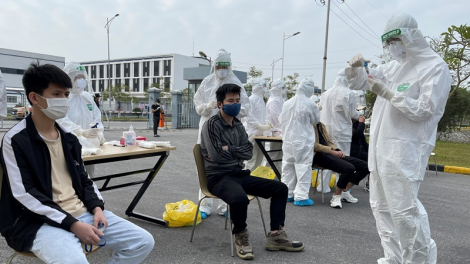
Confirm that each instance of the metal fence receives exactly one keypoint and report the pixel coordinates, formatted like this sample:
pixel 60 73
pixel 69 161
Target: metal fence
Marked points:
pixel 186 115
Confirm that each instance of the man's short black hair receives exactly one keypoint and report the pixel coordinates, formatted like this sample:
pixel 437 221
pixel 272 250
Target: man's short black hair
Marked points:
pixel 228 88
pixel 158 100
pixel 38 77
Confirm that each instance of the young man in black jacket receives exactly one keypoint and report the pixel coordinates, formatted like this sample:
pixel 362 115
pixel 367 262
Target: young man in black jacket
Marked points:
pixel 224 146
pixel 49 205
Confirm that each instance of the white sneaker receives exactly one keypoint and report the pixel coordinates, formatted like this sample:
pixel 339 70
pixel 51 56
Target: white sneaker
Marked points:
pixel 347 197
pixel 336 202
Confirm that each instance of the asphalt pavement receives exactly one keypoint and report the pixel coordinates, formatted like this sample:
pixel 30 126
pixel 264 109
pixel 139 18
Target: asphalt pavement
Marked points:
pixel 330 235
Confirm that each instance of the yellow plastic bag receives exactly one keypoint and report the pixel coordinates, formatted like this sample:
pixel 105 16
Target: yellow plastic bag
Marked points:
pixel 181 214
pixel 314 177
pixel 264 172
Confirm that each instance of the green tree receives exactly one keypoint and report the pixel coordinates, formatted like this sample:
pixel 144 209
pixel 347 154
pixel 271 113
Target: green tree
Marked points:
pixel 252 73
pixel 291 84
pixel 454 47
pixel 119 93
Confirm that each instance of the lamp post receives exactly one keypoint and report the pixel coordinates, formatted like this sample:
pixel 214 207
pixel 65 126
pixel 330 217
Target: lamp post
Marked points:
pixel 272 70
pixel 283 40
pixel 108 24
pixel 205 57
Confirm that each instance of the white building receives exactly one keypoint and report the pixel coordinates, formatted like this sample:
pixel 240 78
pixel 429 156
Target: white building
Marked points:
pixel 13 64
pixel 139 73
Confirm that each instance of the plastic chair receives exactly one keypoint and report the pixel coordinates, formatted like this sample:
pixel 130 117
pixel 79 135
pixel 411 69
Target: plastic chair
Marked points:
pixel 435 164
pixel 320 169
pixel 201 171
pixel 31 254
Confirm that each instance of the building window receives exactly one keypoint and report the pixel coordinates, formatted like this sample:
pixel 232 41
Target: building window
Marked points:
pixel 145 66
pixel 126 83
pixel 146 84
pixel 136 85
pixel 167 84
pixel 86 69
pixel 93 85
pixel 127 69
pixel 118 70
pixel 156 68
pixel 136 69
pixel 12 99
pixel 93 72
pixel 118 82
pixel 101 85
pixel 167 69
pixel 12 71
pixel 110 72
pixel 101 71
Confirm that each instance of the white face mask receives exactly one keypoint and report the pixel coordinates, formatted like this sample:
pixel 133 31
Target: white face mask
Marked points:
pixel 80 85
pixel 57 108
pixel 397 49
pixel 222 73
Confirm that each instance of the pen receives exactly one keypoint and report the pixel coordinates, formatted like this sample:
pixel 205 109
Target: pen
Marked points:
pixel 119 145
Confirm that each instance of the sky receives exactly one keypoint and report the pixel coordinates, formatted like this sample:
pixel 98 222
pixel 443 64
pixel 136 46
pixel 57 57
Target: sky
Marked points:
pixel 252 31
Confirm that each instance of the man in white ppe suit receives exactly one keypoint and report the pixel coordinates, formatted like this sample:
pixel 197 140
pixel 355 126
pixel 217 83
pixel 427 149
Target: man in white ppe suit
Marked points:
pixel 3 98
pixel 299 115
pixel 84 116
pixel 258 109
pixel 276 100
pixel 412 93
pixel 205 102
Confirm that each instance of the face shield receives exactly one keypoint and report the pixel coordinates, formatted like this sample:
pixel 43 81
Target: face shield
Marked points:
pixel 398 34
pixel 222 64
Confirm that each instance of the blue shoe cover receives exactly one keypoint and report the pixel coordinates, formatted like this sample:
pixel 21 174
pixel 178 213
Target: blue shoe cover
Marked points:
pixel 203 215
pixel 290 199
pixel 307 202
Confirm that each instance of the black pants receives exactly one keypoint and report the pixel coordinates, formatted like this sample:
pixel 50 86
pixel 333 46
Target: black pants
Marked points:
pixel 360 155
pixel 233 187
pixel 351 169
pixel 156 121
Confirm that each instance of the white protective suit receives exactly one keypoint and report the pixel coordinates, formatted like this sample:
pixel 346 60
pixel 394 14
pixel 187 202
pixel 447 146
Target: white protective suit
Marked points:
pixel 258 109
pixel 338 108
pixel 273 111
pixel 83 111
pixel 3 98
pixel 402 135
pixel 299 115
pixel 205 102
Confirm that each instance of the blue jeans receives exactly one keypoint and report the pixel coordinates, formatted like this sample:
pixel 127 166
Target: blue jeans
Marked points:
pixel 130 243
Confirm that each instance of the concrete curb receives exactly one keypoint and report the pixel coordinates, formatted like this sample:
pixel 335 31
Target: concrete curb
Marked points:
pixel 450 169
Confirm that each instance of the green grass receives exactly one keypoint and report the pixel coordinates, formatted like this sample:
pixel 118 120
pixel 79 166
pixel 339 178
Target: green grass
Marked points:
pixel 451 154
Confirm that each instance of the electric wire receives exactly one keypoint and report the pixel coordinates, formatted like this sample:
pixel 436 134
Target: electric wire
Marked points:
pixel 355 30
pixel 377 9
pixel 354 21
pixel 361 20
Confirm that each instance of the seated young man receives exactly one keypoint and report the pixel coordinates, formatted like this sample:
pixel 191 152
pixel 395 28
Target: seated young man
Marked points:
pixel 49 205
pixel 225 145
pixel 352 170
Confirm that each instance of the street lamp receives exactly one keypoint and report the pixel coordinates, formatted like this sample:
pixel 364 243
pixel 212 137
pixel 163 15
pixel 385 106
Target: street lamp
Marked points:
pixel 272 70
pixel 283 40
pixel 205 57
pixel 108 24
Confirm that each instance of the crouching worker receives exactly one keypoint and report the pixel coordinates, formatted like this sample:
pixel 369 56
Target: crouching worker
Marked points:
pixel 49 205
pixel 225 145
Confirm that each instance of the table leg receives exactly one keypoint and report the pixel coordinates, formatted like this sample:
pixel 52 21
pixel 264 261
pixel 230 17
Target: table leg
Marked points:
pixel 268 158
pixel 140 193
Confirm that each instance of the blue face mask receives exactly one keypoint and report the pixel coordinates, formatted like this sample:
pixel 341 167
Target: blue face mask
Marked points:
pixel 232 109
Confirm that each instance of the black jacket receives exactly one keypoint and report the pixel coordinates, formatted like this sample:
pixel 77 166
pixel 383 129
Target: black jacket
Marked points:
pixel 26 198
pixel 358 141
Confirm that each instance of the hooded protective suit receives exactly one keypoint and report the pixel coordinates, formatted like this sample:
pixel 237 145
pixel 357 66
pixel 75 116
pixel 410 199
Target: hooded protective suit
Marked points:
pixel 83 112
pixel 338 108
pixel 273 111
pixel 412 97
pixel 3 98
pixel 205 102
pixel 299 115
pixel 258 109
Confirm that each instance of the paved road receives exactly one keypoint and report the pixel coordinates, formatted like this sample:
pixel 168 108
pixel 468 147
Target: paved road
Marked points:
pixel 331 235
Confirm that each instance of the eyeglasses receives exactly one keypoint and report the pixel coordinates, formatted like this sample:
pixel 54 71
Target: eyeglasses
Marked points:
pixel 392 41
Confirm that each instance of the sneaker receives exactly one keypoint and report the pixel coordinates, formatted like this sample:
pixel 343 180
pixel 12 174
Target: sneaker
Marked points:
pixel 366 188
pixel 347 197
pixel 222 213
pixel 336 202
pixel 242 244
pixel 307 202
pixel 279 241
pixel 290 199
pixel 157 135
pixel 203 215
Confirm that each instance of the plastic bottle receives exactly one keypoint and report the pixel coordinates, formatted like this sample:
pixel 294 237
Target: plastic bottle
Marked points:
pixel 130 138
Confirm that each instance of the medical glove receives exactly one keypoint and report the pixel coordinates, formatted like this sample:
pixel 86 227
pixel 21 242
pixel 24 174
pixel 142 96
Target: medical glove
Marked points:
pixel 265 127
pixel 380 89
pixel 211 105
pixel 90 133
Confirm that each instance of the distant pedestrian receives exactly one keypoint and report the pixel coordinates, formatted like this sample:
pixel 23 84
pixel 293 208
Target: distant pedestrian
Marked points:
pixel 97 97
pixel 156 110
